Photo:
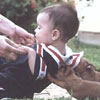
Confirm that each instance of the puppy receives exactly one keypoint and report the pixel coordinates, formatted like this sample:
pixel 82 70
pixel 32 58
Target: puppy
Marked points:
pixel 76 86
pixel 83 67
pixel 87 71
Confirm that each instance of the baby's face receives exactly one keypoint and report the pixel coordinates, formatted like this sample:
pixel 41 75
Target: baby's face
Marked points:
pixel 43 32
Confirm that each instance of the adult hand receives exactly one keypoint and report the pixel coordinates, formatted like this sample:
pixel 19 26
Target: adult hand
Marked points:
pixel 8 49
pixel 16 33
pixel 21 36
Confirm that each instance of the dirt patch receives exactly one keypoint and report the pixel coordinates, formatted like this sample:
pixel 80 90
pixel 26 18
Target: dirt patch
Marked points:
pixel 53 91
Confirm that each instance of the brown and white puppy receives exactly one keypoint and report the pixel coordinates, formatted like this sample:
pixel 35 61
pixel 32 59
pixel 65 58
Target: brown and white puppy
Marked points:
pixel 75 85
pixel 87 71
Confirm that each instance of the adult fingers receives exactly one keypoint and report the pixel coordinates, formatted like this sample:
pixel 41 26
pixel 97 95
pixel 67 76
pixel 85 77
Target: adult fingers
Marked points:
pixel 11 43
pixel 8 56
pixel 11 49
pixel 12 56
pixel 29 36
pixel 30 40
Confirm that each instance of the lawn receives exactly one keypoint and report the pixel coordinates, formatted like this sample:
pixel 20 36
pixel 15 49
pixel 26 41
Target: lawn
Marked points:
pixel 92 53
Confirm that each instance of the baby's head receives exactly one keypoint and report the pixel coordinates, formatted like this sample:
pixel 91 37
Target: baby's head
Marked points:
pixel 55 22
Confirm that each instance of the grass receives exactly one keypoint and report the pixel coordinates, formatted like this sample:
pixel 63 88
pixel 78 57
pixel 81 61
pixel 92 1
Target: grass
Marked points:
pixel 92 53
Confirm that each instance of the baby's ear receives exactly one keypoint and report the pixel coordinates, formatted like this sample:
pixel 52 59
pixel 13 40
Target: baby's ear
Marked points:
pixel 55 34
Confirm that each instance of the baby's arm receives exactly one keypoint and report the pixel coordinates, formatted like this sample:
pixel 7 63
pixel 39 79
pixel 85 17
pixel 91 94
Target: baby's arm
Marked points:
pixel 31 56
pixel 31 59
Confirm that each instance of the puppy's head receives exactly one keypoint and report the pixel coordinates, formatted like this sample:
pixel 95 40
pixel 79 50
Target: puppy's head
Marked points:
pixel 85 69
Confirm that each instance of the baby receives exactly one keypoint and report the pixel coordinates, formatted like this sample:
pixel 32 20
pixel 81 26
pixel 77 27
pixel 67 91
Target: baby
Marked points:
pixel 28 74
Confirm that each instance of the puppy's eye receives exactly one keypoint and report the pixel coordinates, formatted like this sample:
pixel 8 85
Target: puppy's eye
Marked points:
pixel 89 67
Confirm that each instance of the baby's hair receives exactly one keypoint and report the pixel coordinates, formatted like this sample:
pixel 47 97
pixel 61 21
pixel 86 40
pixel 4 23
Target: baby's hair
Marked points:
pixel 64 18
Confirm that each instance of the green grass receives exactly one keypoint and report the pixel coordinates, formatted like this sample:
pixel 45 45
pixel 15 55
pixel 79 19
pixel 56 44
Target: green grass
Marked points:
pixel 92 53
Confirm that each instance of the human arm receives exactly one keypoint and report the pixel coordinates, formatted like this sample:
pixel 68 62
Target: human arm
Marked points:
pixel 15 32
pixel 31 59
pixel 31 56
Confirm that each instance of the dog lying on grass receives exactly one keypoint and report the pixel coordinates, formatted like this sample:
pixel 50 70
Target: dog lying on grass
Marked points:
pixel 79 88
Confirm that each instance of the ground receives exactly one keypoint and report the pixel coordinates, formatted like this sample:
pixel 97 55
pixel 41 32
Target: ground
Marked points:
pixel 53 91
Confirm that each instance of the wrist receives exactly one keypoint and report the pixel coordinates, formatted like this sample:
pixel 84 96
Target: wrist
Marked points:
pixel 31 51
pixel 6 26
pixel 1 19
pixel 12 32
